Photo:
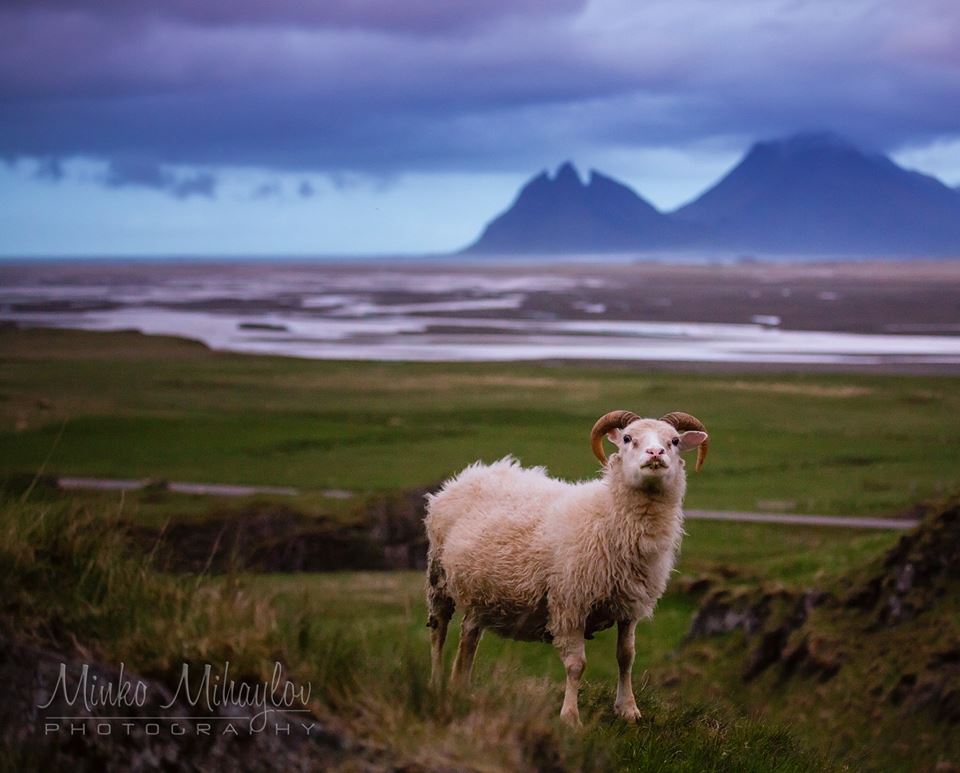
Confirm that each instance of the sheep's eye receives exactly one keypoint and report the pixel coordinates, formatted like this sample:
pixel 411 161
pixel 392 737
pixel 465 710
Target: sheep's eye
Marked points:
pixel 626 438
pixel 676 441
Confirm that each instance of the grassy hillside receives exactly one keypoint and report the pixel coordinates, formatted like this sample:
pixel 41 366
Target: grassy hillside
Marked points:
pixel 124 405
pixel 864 666
pixel 74 589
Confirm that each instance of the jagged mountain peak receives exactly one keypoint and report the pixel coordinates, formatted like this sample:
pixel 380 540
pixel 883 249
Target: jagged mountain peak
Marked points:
pixel 810 193
pixel 567 174
pixel 564 214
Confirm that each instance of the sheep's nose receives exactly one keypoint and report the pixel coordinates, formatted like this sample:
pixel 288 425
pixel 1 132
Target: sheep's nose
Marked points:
pixel 656 450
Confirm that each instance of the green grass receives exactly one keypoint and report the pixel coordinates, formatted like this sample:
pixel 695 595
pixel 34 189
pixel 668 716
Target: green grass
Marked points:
pixel 135 406
pixel 379 609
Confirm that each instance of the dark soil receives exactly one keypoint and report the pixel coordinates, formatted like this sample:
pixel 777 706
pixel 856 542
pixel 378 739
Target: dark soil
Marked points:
pixel 276 537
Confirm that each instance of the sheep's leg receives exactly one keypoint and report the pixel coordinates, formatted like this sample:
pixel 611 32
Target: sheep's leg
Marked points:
pixel 441 608
pixel 438 635
pixel 470 632
pixel 626 705
pixel 574 656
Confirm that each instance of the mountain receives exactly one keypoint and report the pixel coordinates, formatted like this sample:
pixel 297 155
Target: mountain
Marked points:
pixel 562 214
pixel 812 193
pixel 818 193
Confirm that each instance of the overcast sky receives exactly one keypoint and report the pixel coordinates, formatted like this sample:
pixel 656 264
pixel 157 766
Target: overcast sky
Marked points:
pixel 379 126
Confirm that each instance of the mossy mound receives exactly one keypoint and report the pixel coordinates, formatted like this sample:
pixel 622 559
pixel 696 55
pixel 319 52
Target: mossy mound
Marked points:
pixel 867 666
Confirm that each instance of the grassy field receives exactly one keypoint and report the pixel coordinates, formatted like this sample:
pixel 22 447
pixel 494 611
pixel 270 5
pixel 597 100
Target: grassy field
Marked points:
pixel 124 405
pixel 375 610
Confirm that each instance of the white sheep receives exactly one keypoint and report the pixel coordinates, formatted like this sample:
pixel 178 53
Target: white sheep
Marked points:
pixel 539 559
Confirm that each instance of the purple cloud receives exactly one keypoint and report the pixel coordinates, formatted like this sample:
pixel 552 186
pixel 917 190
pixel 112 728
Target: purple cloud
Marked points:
pixel 375 87
pixel 420 17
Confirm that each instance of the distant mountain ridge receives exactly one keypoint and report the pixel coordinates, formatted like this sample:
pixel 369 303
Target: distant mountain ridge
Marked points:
pixel 562 213
pixel 812 193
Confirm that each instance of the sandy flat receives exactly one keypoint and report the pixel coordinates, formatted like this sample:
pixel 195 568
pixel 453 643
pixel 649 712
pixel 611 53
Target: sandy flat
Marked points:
pixel 896 316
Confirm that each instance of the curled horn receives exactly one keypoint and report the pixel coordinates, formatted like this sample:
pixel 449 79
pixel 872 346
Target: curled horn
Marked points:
pixel 607 422
pixel 683 422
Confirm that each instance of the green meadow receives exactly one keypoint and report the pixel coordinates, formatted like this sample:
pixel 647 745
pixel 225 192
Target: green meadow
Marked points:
pixel 124 405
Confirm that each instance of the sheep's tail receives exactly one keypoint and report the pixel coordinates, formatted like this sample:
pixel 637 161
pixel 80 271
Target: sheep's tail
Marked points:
pixel 439 603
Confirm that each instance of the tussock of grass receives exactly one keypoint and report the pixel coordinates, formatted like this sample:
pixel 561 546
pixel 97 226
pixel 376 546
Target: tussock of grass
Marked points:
pixel 72 583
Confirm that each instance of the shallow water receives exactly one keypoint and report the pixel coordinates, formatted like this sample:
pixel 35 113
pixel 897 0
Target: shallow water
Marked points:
pixel 450 313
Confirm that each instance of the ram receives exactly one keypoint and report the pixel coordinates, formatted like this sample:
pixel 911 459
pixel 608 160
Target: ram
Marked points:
pixel 534 558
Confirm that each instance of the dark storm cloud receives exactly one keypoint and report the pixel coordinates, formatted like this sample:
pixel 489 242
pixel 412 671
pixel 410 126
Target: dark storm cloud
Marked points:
pixel 419 17
pixel 138 172
pixel 380 87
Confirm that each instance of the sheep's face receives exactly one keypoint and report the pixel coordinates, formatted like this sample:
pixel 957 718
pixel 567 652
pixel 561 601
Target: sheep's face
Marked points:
pixel 649 451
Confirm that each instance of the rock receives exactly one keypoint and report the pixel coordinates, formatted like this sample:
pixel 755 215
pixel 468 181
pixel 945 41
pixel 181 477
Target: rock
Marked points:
pixel 767 652
pixel 811 655
pixel 915 571
pixel 768 617
pixel 694 586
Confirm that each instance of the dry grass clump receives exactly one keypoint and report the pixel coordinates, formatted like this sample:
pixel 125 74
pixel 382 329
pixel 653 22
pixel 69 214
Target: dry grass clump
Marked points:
pixel 72 583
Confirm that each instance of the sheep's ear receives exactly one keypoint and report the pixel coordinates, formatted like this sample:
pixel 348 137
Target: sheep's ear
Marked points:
pixel 614 435
pixel 691 439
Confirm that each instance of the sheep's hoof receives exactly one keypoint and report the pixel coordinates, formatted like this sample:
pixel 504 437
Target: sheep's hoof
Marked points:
pixel 628 713
pixel 571 717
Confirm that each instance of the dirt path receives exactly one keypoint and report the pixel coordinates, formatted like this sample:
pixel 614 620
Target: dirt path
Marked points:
pixel 231 490
pixel 844 521
pixel 211 489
